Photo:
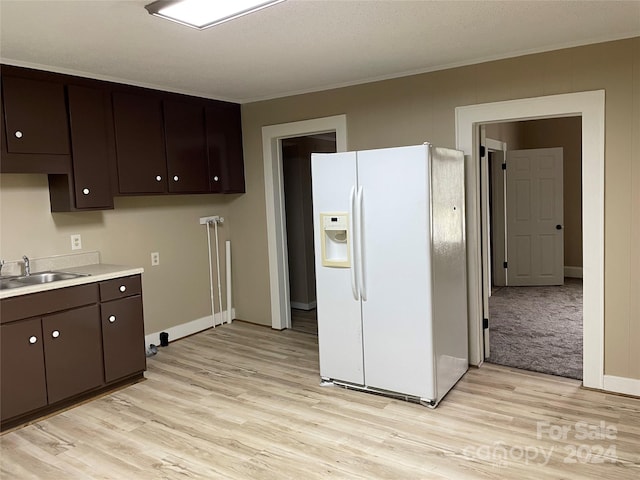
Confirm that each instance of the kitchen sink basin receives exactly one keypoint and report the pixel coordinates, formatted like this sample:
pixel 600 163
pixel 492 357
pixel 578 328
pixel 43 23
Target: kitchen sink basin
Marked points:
pixel 37 279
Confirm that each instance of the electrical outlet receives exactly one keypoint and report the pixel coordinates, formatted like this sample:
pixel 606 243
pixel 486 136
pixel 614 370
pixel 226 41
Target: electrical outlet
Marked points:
pixel 155 258
pixel 76 242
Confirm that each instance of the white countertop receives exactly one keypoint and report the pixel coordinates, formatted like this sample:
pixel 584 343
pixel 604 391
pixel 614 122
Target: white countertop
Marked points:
pixel 96 272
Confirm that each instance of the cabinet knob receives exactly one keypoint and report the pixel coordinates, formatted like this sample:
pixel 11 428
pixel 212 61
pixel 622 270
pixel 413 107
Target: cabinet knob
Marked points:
pixel 85 191
pixel 122 288
pixel 33 339
pixel 55 334
pixel 112 318
pixel 215 179
pixel 18 134
pixel 158 178
pixel 175 178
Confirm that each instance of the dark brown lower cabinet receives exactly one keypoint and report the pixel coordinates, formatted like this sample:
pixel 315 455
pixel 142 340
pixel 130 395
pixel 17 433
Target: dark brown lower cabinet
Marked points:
pixel 58 347
pixel 24 386
pixel 122 337
pixel 73 352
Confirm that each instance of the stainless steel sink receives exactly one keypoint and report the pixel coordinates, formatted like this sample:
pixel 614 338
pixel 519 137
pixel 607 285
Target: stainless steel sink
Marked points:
pixel 37 279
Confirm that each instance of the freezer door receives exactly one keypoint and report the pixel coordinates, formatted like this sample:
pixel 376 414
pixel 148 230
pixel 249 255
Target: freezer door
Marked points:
pixel 333 178
pixel 397 322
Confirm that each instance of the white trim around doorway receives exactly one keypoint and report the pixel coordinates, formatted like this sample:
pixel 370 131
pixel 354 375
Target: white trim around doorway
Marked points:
pixel 590 106
pixel 274 196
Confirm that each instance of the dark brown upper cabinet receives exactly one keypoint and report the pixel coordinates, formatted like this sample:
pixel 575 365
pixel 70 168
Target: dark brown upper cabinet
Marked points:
pixel 89 187
pixel 35 116
pixel 224 145
pixel 186 147
pixel 140 152
pixel 35 137
pixel 97 139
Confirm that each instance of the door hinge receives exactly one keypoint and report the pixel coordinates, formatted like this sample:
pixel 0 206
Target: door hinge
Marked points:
pixel 485 323
pixel 504 166
pixel 482 151
pixel 504 265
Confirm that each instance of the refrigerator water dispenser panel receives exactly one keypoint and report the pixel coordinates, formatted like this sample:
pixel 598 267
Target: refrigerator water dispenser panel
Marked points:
pixel 335 240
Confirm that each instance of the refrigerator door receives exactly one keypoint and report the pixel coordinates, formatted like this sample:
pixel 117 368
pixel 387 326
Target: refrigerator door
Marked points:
pixel 397 317
pixel 339 307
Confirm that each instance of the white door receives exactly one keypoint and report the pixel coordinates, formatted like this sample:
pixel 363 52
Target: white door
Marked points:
pixel 535 240
pixel 396 306
pixel 333 177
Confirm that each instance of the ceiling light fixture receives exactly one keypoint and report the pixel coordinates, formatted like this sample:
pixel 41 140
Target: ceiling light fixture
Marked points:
pixel 203 14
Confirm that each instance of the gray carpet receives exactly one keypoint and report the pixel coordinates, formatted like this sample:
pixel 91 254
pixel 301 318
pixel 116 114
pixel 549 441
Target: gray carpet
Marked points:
pixel 538 328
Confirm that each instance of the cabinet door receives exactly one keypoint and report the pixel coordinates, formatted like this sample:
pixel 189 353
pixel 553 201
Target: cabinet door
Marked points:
pixel 123 337
pixel 224 144
pixel 186 147
pixel 23 386
pixel 90 147
pixel 73 352
pixel 140 151
pixel 35 116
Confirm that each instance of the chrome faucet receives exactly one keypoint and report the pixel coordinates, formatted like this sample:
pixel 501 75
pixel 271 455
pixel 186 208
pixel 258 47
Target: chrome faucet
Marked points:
pixel 27 266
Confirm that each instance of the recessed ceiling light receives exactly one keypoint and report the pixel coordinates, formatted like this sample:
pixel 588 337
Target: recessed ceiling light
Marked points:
pixel 203 14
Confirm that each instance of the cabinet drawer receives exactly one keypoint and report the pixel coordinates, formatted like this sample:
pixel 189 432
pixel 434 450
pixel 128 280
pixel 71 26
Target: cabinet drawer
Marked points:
pixel 120 288
pixel 42 303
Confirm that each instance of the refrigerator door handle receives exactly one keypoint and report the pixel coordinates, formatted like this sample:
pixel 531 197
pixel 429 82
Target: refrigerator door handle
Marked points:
pixel 352 208
pixel 361 253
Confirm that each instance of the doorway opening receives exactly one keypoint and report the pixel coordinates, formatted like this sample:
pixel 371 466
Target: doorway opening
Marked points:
pixel 535 245
pixel 590 106
pixel 272 136
pixel 296 169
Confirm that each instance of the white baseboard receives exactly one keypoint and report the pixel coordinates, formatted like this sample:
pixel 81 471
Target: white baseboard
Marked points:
pixel 304 306
pixel 629 386
pixel 573 272
pixel 189 328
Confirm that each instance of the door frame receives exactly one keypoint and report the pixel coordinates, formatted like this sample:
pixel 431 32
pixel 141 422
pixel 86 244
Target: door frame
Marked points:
pixel 590 106
pixel 274 197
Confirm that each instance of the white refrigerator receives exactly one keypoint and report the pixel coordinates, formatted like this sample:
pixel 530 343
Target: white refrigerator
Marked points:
pixel 390 257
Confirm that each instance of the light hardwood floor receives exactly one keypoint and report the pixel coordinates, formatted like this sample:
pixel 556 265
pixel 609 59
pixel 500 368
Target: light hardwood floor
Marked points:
pixel 244 402
pixel 305 321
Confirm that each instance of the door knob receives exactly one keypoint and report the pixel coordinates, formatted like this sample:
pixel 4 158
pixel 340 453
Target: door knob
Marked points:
pixel 558 227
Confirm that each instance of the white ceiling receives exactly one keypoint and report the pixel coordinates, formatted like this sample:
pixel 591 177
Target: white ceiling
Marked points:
pixel 299 45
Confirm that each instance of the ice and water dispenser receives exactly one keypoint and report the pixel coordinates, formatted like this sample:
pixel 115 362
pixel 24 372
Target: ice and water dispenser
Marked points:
pixel 335 240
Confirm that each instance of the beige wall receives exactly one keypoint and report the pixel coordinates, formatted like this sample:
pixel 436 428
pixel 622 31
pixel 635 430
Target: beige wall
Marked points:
pixel 175 292
pixel 395 112
pixel 413 109
pixel 547 133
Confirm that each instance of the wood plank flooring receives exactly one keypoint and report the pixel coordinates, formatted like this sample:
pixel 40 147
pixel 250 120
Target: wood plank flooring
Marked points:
pixel 305 321
pixel 244 402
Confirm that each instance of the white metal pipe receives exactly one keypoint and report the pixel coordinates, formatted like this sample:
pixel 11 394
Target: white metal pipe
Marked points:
pixel 228 275
pixel 218 268
pixel 213 312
